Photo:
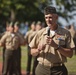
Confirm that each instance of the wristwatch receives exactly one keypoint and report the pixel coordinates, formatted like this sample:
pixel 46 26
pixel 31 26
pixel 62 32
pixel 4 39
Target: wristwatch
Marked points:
pixel 57 47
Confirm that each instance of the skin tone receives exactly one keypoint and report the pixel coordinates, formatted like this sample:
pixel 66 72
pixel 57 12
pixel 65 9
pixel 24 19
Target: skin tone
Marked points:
pixel 33 27
pixel 7 28
pixel 38 27
pixel 51 21
pixel 16 28
pixel 11 29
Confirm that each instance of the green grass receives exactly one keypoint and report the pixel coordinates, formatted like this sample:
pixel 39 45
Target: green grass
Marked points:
pixel 71 64
pixel 23 60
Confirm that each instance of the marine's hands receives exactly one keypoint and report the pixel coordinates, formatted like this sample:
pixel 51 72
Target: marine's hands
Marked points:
pixel 41 47
pixel 50 41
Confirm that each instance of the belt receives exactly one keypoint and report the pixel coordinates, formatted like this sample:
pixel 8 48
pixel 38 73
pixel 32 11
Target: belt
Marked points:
pixel 51 64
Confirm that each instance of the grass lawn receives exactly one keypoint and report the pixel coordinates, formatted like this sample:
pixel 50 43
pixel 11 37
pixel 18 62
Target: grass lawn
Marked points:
pixel 71 64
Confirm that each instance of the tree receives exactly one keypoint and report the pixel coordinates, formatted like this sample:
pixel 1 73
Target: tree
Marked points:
pixel 28 10
pixel 65 8
pixel 21 9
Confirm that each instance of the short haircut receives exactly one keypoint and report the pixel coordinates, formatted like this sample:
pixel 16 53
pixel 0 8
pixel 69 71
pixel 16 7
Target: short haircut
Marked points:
pixel 16 24
pixel 33 23
pixel 11 24
pixel 49 10
pixel 39 23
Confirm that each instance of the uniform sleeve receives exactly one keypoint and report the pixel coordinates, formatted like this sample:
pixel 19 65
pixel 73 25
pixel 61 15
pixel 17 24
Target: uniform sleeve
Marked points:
pixel 26 37
pixel 36 40
pixel 3 39
pixel 69 41
pixel 22 40
pixel 33 43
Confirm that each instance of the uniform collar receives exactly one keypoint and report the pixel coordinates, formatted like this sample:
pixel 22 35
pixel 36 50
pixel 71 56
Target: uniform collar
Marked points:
pixel 57 30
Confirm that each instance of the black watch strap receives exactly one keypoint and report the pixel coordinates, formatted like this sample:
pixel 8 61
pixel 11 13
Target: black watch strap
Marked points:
pixel 57 47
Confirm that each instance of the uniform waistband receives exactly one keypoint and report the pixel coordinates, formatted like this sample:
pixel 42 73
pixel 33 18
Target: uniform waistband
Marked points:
pixel 52 64
pixel 12 49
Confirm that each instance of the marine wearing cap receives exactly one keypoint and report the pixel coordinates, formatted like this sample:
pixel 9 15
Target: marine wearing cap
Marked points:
pixel 50 9
pixel 11 41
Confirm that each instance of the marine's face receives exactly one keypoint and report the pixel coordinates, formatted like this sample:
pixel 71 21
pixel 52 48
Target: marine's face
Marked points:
pixel 16 28
pixel 51 20
pixel 7 28
pixel 38 27
pixel 33 27
pixel 11 29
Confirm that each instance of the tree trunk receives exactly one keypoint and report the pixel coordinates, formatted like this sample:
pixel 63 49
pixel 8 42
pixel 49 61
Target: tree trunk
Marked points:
pixel 12 17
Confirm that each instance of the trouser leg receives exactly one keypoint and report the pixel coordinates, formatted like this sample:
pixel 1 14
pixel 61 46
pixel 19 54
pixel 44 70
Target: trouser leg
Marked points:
pixel 59 70
pixel 29 61
pixel 15 63
pixel 34 65
pixel 19 60
pixel 7 57
pixel 42 70
pixel 3 59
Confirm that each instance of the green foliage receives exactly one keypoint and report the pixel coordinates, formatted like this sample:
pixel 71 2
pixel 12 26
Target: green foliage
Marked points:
pixel 68 7
pixel 22 9
pixel 28 10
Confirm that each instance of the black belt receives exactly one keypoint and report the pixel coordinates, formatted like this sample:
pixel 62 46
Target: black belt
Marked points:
pixel 51 64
